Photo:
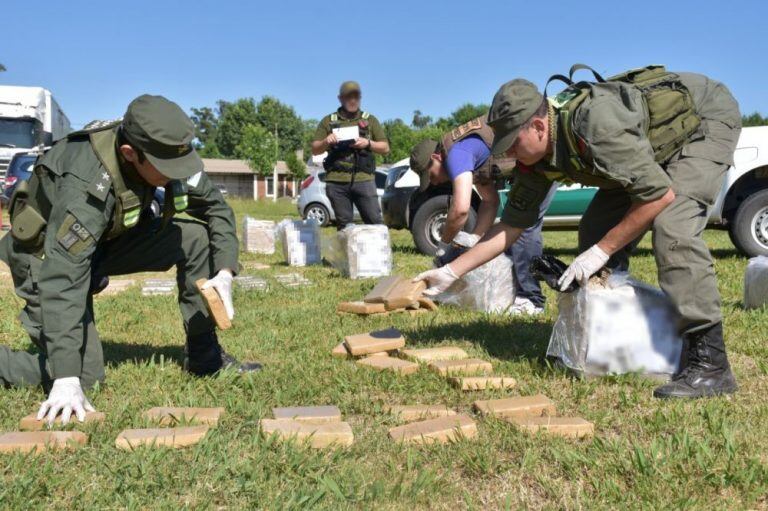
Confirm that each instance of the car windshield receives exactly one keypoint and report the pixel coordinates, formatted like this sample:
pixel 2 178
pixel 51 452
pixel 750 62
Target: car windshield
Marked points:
pixel 17 133
pixel 21 165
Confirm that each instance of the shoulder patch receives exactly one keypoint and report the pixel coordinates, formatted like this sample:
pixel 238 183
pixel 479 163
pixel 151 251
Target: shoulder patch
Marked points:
pixel 467 127
pixel 195 179
pixel 100 187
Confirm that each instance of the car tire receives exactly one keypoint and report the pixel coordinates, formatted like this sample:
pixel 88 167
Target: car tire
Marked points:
pixel 318 212
pixel 428 223
pixel 749 227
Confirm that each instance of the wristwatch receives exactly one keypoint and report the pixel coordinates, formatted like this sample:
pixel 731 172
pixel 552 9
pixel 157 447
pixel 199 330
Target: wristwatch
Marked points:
pixel 369 143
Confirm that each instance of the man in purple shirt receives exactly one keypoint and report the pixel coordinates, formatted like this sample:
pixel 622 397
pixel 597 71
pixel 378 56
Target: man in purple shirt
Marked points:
pixel 464 159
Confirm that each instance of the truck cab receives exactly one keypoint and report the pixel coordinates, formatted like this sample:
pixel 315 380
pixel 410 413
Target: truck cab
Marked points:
pixel 29 117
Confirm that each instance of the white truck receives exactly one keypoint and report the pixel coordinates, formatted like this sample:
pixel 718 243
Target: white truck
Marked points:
pixel 29 118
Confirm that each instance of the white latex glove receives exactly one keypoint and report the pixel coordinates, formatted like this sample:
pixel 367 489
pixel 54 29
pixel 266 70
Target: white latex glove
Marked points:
pixel 438 280
pixel 465 239
pixel 583 267
pixel 66 397
pixel 222 283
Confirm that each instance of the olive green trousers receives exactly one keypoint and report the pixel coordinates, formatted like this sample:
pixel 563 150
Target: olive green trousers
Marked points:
pixel 183 244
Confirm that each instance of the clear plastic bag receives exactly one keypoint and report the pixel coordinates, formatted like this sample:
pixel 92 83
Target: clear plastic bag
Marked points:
pixel 258 236
pixel 488 288
pixel 616 327
pixel 756 283
pixel 301 241
pixel 359 251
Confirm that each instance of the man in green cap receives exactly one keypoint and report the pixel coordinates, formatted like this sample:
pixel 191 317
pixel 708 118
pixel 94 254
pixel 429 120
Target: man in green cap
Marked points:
pixel 657 144
pixel 352 138
pixel 463 158
pixel 84 215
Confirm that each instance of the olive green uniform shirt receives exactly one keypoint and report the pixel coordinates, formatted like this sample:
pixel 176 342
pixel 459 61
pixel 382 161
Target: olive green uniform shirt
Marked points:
pixel 611 124
pixel 375 133
pixel 80 212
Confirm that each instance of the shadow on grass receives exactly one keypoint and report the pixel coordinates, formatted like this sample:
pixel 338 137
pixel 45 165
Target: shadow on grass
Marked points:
pixel 118 353
pixel 503 340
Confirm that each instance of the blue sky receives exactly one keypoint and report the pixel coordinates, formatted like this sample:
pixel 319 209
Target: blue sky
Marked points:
pixel 432 56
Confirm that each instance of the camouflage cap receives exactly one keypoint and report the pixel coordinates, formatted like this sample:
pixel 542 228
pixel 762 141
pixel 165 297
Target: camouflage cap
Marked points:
pixel 513 105
pixel 164 133
pixel 349 87
pixel 421 155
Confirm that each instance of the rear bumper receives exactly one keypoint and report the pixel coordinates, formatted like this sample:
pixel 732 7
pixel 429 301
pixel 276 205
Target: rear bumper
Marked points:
pixel 394 207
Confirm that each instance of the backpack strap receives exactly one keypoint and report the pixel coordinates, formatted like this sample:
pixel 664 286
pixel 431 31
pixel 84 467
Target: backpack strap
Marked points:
pixel 365 115
pixel 577 67
pixel 561 78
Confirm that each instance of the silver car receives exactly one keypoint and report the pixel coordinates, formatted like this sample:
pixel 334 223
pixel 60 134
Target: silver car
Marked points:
pixel 313 203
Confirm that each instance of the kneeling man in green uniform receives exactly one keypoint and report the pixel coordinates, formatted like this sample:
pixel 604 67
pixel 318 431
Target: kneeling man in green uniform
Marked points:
pixel 85 215
pixel 657 145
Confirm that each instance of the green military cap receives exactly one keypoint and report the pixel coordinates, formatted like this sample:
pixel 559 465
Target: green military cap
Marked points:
pixel 349 87
pixel 421 155
pixel 513 105
pixel 164 133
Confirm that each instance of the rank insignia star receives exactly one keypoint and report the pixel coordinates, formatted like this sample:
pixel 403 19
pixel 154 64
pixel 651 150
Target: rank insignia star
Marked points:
pixel 100 187
pixel 104 176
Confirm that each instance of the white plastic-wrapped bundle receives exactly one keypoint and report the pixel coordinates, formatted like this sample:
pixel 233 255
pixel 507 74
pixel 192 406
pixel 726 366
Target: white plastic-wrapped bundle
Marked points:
pixel 488 288
pixel 616 327
pixel 301 241
pixel 359 251
pixel 756 283
pixel 258 236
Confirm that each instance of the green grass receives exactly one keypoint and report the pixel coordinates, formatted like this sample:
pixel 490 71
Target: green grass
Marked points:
pixel 646 454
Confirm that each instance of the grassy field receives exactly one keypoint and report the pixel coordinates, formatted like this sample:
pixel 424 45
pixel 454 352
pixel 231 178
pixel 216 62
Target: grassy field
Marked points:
pixel 646 454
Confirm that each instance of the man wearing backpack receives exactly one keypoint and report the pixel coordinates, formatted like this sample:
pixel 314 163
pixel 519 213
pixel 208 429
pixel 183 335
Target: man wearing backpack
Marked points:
pixel 657 144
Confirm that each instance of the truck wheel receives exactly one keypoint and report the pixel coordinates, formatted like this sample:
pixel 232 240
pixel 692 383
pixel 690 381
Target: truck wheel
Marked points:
pixel 319 213
pixel 428 223
pixel 749 228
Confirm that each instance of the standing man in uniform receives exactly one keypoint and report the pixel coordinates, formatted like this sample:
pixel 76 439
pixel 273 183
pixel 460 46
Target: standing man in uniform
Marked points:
pixel 657 144
pixel 350 163
pixel 84 215
pixel 464 158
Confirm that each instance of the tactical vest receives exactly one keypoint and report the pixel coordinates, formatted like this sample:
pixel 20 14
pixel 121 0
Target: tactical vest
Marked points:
pixel 671 113
pixel 342 157
pixel 489 171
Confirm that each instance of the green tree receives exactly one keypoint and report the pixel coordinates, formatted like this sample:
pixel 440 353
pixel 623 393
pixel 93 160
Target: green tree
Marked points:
pixel 754 119
pixel 402 138
pixel 233 118
pixel 309 126
pixel 420 120
pixel 464 113
pixel 281 119
pixel 2 67
pixel 206 122
pixel 297 167
pixel 257 145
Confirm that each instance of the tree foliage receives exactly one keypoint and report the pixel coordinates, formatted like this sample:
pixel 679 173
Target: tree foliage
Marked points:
pixel 754 119
pixel 257 146
pixel 206 122
pixel 281 120
pixel 297 167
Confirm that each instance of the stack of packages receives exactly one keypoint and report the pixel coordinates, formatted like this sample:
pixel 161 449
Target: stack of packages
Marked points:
pixel 360 251
pixel 756 283
pixel 488 288
pixel 258 236
pixel 301 241
pixel 616 325
pixel 391 294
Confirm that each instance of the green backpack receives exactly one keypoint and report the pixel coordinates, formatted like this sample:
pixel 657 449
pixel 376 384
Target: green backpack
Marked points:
pixel 671 113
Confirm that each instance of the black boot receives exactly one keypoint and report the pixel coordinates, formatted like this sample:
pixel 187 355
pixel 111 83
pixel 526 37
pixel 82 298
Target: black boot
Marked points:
pixel 204 356
pixel 706 371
